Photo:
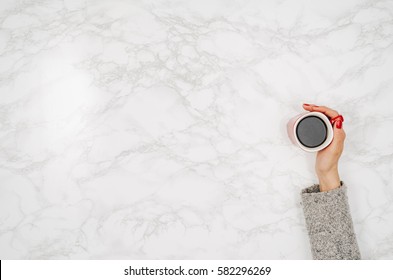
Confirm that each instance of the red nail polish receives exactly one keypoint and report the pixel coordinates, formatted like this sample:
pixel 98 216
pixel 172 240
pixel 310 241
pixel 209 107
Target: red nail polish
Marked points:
pixel 339 124
pixel 306 104
pixel 337 118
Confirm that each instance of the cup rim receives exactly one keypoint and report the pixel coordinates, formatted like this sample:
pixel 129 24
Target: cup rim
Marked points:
pixel 329 137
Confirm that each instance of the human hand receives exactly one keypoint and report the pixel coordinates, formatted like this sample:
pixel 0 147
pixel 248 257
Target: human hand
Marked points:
pixel 326 164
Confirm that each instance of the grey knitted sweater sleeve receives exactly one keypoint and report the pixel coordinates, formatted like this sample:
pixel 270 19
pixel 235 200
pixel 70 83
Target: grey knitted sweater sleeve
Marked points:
pixel 329 223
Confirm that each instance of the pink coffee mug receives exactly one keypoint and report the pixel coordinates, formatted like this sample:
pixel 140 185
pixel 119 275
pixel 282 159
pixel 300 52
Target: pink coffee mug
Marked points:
pixel 292 129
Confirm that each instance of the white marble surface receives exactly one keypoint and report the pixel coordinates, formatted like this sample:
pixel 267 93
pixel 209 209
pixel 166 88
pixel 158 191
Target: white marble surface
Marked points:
pixel 156 129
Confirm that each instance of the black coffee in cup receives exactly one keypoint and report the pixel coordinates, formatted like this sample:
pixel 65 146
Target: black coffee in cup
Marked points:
pixel 311 131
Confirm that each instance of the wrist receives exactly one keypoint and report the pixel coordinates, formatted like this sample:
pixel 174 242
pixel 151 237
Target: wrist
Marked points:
pixel 329 180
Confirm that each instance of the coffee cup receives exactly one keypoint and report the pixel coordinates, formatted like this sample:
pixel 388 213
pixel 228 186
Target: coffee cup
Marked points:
pixel 311 131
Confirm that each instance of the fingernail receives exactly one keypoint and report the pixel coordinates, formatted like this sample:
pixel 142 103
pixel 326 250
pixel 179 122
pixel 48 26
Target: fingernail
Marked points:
pixel 306 104
pixel 339 124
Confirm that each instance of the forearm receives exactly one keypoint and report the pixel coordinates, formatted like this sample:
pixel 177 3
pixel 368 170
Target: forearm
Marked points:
pixel 329 179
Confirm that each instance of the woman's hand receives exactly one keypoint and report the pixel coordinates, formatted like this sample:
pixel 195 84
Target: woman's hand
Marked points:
pixel 326 164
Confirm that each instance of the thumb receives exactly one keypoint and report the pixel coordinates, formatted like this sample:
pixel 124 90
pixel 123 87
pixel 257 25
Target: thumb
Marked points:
pixel 338 131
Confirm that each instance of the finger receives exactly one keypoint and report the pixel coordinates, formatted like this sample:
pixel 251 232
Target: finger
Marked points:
pixel 326 110
pixel 308 107
pixel 338 131
pixel 337 144
pixel 338 138
pixel 323 109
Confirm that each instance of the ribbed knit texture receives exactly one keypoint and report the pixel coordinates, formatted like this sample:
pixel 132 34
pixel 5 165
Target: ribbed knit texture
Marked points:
pixel 329 224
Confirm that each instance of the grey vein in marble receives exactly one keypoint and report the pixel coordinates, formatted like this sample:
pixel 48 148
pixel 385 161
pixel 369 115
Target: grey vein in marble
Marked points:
pixel 156 129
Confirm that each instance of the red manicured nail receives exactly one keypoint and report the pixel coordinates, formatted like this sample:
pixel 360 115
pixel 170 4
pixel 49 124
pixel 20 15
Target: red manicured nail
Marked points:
pixel 337 118
pixel 339 124
pixel 306 104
